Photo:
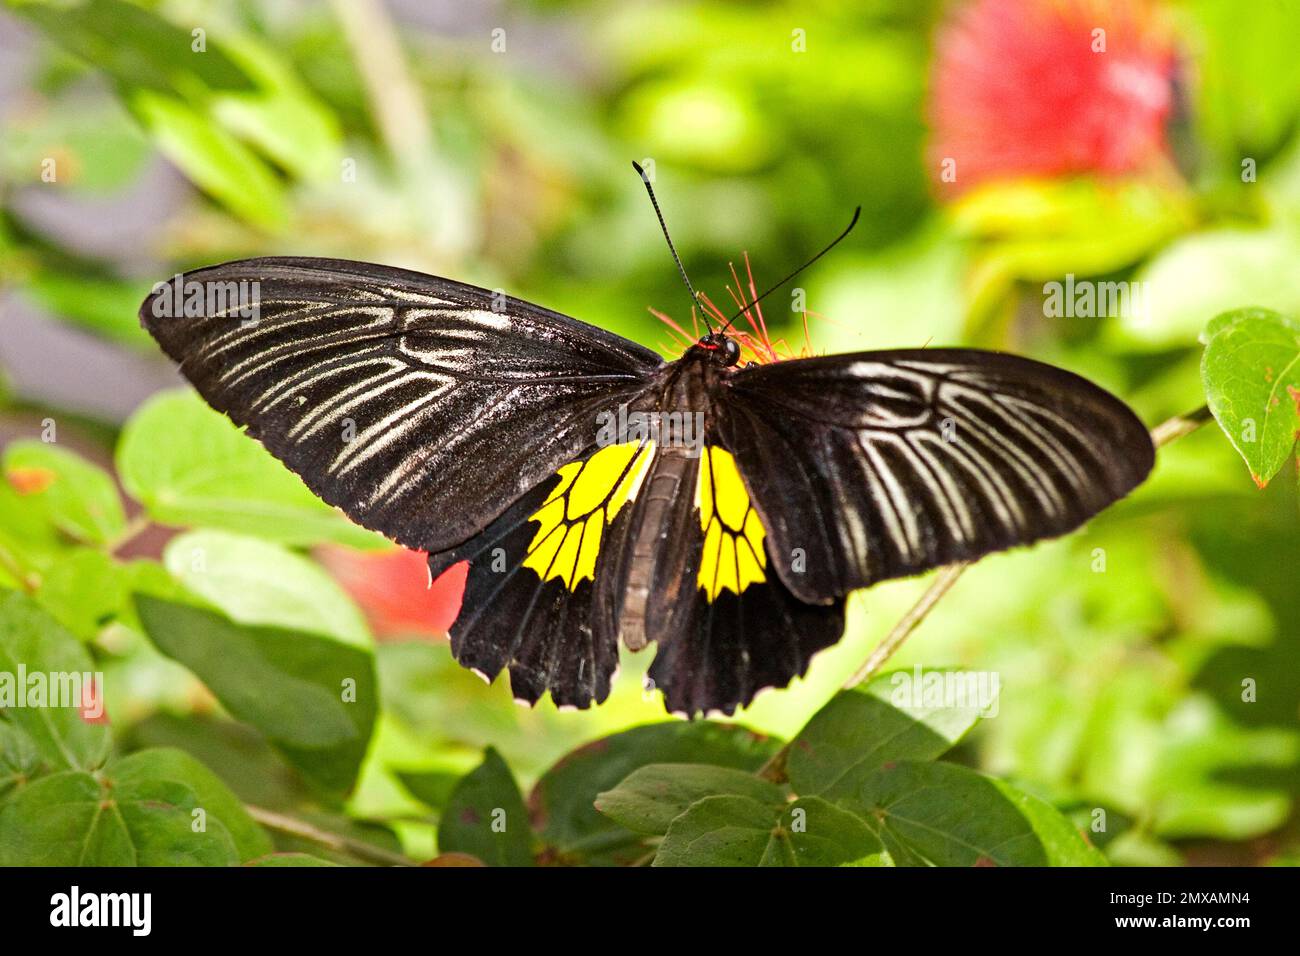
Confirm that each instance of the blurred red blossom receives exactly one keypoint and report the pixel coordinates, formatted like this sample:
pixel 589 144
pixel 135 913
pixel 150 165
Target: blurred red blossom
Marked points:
pixel 394 591
pixel 1049 87
pixel 30 481
pixel 92 703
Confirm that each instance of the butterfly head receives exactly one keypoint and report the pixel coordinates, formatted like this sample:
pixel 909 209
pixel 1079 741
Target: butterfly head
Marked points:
pixel 720 348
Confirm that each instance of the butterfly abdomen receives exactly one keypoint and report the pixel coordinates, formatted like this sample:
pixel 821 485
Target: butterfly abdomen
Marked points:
pixel 669 483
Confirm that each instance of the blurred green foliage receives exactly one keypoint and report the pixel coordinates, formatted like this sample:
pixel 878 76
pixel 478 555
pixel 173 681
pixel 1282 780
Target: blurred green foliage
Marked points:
pixel 1148 663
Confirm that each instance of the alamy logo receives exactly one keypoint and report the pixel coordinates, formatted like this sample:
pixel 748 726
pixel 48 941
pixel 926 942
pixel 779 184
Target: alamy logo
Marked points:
pixel 1086 299
pixel 79 689
pixel 181 298
pixel 665 429
pixel 74 908
pixel 934 690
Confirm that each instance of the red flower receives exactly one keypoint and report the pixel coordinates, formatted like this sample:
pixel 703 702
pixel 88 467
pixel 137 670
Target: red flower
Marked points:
pixel 1049 87
pixel 92 703
pixel 394 590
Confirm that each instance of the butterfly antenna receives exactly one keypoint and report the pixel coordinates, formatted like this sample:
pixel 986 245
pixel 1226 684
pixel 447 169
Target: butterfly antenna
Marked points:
pixel 834 242
pixel 695 299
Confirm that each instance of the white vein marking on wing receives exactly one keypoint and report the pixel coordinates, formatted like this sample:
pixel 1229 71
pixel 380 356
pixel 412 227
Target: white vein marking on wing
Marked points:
pixel 392 427
pixel 1068 427
pixel 303 345
pixel 399 481
pixel 422 298
pixel 1006 506
pixel 930 369
pixel 1071 469
pixel 933 484
pixel 1013 455
pixel 909 541
pixel 853 526
pixel 925 443
pixel 486 318
pixel 305 378
pixel 239 336
pixel 341 402
pixel 886 508
pixel 460 335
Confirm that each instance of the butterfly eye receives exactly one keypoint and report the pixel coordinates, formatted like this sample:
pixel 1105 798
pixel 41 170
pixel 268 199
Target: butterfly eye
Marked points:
pixel 730 351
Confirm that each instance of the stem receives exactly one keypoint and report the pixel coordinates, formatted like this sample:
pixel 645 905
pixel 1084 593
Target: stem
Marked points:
pixel 28 582
pixel 334 841
pixel 944 580
pixel 1180 425
pixel 1161 435
pixel 394 94
pixel 134 527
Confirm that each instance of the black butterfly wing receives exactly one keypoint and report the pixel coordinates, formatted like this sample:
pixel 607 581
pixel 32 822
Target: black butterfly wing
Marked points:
pixel 884 464
pixel 421 407
pixel 736 628
pixel 724 625
pixel 552 585
pixel 537 573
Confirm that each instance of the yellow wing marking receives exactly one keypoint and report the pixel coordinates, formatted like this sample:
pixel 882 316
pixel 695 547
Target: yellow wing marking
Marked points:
pixel 733 557
pixel 571 522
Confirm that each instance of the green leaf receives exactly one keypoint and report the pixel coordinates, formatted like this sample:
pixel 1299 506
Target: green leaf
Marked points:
pixel 235 752
pixel 78 819
pixel 720 831
pixel 134 46
pixel 213 159
pixel 563 801
pixel 281 118
pixel 189 465
pixel 742 831
pixel 1207 273
pixel 1062 841
pixel 433 788
pixel 106 307
pixel 486 817
pixel 860 730
pixel 1251 373
pixel 20 758
pixel 29 543
pixel 1217 779
pixel 33 640
pixel 941 814
pixel 211 795
pixel 256 582
pixel 1247 74
pixel 289 685
pixel 100 151
pixel 78 498
pixel 289 859
pixel 651 797
pixel 86 590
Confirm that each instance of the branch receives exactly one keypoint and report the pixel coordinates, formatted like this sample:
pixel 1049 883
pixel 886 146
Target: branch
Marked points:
pixel 334 841
pixel 1180 425
pixel 13 567
pixel 135 527
pixel 394 94
pixel 945 579
pixel 1161 435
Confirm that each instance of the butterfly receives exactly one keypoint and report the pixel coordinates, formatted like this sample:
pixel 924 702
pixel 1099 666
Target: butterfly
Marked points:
pixel 721 510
